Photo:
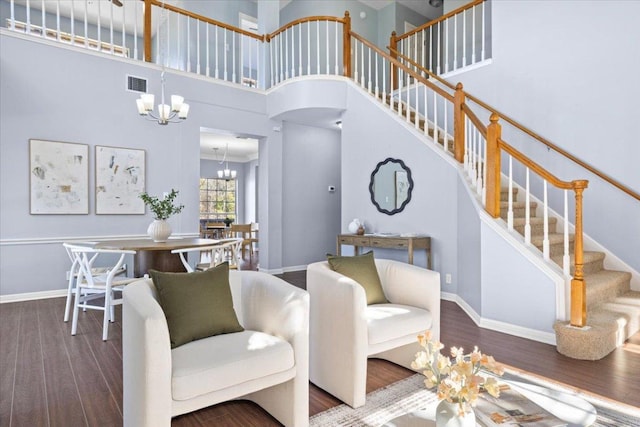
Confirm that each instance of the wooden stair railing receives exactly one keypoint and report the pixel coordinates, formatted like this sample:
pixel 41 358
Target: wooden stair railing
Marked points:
pixel 490 164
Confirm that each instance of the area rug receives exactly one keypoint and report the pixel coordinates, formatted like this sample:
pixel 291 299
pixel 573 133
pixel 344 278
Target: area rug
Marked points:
pixel 410 394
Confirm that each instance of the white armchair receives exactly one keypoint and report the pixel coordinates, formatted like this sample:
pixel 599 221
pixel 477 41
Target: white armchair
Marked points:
pixel 344 331
pixel 266 363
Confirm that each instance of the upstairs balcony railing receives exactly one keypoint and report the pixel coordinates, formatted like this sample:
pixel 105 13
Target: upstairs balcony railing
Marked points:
pixel 448 117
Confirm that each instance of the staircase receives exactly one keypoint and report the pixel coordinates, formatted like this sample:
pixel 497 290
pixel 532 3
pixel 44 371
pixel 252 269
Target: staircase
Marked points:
pixel 613 309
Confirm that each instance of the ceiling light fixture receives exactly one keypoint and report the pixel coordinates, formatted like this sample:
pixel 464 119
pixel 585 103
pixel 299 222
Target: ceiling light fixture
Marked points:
pixel 166 113
pixel 226 173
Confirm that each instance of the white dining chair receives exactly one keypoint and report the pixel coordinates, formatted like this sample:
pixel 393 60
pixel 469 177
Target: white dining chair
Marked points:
pixel 72 273
pixel 97 292
pixel 210 256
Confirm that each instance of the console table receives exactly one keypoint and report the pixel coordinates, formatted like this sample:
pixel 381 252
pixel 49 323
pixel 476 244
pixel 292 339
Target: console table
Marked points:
pixel 408 243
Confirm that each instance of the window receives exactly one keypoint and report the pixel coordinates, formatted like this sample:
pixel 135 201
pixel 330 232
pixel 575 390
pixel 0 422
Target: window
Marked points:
pixel 217 199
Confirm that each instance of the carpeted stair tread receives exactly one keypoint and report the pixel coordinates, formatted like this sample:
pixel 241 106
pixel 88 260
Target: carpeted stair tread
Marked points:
pixel 606 285
pixel 592 261
pixel 625 310
pixel 537 225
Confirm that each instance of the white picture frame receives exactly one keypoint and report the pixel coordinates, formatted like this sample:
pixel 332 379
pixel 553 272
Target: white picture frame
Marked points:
pixel 58 178
pixel 120 179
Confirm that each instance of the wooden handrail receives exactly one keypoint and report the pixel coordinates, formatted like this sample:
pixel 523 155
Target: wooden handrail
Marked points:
pixel 565 185
pixel 529 132
pixel 439 19
pixel 399 64
pixel 475 120
pixel 303 20
pixel 422 69
pixel 201 18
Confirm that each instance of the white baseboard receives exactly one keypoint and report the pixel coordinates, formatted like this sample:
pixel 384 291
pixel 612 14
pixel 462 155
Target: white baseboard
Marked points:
pixel 495 325
pixel 29 296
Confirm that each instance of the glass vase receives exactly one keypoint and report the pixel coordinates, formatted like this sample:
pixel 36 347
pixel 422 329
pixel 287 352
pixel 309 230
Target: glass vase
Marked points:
pixel 448 415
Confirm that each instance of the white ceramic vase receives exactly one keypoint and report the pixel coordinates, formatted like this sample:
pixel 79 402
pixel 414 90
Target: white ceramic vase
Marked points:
pixel 447 415
pixel 354 225
pixel 159 230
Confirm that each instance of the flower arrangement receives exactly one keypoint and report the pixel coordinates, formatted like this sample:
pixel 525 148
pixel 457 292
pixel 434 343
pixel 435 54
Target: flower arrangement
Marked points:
pixel 162 208
pixel 457 378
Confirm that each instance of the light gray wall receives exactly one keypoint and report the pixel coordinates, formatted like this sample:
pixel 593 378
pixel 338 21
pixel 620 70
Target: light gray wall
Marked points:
pixel 370 135
pixel 91 106
pixel 251 191
pixel 550 72
pixel 311 164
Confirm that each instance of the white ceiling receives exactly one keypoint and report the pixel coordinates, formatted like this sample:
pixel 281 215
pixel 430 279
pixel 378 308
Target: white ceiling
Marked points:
pixel 240 149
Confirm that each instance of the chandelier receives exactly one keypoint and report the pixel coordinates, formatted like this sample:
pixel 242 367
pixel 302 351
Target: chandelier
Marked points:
pixel 166 113
pixel 226 173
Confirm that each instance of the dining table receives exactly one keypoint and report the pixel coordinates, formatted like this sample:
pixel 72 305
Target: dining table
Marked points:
pixel 155 255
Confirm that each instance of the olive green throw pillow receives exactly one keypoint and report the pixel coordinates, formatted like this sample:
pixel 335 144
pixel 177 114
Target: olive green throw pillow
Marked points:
pixel 362 269
pixel 197 305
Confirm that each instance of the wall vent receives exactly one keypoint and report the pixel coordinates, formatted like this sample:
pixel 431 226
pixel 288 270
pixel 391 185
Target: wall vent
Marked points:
pixel 136 84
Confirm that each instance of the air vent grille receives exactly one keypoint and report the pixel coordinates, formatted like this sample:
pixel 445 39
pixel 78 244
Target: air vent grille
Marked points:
pixel 136 84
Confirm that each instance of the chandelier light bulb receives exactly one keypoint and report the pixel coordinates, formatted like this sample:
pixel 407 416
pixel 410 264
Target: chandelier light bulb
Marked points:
pixel 174 113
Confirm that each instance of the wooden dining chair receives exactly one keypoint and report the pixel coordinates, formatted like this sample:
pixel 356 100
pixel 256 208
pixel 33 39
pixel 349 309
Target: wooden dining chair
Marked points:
pixel 97 292
pixel 243 231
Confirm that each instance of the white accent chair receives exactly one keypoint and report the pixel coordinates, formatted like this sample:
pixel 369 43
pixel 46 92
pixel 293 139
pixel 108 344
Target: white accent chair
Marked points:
pixel 344 331
pixel 267 363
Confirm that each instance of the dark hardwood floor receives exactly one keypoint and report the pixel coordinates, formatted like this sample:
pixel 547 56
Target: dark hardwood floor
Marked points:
pixel 49 378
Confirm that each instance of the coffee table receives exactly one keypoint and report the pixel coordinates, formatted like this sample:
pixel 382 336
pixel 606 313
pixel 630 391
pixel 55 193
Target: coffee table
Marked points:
pixel 570 408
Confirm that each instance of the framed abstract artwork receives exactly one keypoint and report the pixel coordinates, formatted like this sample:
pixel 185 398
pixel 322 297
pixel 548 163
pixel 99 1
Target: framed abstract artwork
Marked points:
pixel 58 177
pixel 120 178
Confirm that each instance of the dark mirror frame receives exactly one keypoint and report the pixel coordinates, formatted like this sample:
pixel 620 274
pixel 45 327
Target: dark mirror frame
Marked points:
pixel 371 186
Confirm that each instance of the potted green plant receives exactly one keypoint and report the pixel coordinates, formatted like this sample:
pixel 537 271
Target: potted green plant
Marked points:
pixel 160 230
pixel 228 221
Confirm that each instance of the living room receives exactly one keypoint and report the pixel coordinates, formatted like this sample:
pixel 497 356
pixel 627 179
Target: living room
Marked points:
pixel 36 105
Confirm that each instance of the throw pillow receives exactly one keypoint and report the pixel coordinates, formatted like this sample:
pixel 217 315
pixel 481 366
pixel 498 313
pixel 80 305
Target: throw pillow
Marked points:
pixel 362 269
pixel 197 305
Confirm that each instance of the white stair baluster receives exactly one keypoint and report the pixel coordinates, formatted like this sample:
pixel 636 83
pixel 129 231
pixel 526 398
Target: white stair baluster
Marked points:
pixel 545 241
pixel 293 52
pixel 355 63
pixel 300 50
pixel 271 62
pixel 362 77
pixel 57 19
pixel 377 66
pixel 111 28
pixel 86 28
pixel 207 49
pixel 426 109
pixel 416 119
pixel 484 173
pixel 408 91
pixel 400 97
pixel 435 117
pixel 369 72
pixel 510 196
pixel 566 258
pixel 281 53
pixel 73 29
pixel 384 80
pixel 446 46
pixel 527 213
pixel 480 166
pixel 197 46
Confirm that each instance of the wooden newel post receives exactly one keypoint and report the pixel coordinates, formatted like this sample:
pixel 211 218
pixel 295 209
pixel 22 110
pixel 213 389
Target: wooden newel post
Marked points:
pixel 458 123
pixel 494 133
pixel 393 72
pixel 578 285
pixel 346 44
pixel 147 30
